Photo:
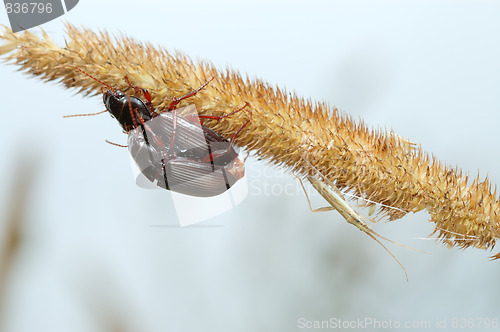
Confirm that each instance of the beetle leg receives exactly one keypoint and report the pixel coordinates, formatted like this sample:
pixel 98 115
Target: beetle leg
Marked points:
pixel 145 92
pixel 165 174
pixel 175 101
pixel 218 118
pixel 225 178
pixel 133 111
pixel 141 119
pixel 244 125
pixel 157 139
pixel 115 144
pixel 171 152
pixel 147 96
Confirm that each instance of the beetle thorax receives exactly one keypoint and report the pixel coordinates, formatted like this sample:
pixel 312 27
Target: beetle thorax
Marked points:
pixel 129 111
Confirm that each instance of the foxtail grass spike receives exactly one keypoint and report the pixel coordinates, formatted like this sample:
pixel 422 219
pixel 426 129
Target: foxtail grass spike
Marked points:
pixel 286 130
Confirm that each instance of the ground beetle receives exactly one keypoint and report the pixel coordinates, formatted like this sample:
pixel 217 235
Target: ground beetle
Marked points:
pixel 175 152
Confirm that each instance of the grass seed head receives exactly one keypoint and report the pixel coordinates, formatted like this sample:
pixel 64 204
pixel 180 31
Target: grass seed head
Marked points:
pixel 286 130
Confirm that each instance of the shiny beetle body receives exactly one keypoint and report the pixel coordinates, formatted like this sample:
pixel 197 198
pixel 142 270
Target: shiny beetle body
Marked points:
pixel 127 110
pixel 202 163
pixel 176 153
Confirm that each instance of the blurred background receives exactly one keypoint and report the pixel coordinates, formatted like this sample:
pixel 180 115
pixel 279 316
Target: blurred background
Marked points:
pixel 85 249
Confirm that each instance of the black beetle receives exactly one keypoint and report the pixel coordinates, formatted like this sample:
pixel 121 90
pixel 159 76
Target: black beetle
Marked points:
pixel 176 152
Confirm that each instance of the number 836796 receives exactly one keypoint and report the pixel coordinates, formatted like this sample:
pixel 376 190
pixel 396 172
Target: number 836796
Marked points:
pixel 28 7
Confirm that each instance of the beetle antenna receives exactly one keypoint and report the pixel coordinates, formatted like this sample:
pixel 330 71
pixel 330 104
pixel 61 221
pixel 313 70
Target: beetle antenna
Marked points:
pixel 95 79
pixel 88 114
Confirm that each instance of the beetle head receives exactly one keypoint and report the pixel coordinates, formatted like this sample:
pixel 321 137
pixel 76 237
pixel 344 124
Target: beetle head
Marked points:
pixel 112 99
pixel 129 111
pixel 115 102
